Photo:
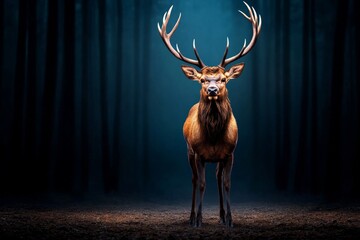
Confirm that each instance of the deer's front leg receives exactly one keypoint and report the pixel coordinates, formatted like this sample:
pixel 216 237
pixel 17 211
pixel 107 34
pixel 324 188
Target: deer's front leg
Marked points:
pixel 202 184
pixel 227 185
pixel 191 158
pixel 219 177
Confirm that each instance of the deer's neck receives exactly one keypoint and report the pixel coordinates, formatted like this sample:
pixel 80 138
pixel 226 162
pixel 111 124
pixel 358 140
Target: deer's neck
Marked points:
pixel 214 118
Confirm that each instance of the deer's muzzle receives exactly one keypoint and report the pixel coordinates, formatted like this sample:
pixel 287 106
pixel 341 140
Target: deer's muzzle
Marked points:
pixel 212 90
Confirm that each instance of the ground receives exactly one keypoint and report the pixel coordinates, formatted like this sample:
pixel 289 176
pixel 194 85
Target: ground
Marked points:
pixel 152 220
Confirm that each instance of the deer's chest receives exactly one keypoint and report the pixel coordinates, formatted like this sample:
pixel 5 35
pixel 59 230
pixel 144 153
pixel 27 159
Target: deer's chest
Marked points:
pixel 210 152
pixel 209 145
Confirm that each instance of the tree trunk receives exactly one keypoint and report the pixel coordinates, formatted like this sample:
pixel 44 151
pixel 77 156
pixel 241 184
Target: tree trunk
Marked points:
pixel 17 139
pixel 278 175
pixel 283 103
pixel 146 67
pixel 106 161
pixel 314 100
pixel 333 179
pixel 85 96
pixel 118 167
pixel 65 162
pixel 356 162
pixel 33 166
pixel 303 138
pixel 136 99
pixel 287 94
pixel 3 146
pixel 48 98
pixel 2 29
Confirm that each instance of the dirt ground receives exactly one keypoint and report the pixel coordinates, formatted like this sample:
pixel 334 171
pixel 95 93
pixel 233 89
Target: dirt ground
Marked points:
pixel 164 221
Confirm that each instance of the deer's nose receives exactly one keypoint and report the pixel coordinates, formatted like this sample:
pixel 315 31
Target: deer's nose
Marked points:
pixel 212 90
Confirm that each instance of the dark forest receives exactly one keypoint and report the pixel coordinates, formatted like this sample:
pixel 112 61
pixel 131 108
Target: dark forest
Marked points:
pixel 92 103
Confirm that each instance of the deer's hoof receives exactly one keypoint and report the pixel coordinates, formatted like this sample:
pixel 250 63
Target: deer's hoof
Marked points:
pixel 192 219
pixel 222 217
pixel 229 222
pixel 199 220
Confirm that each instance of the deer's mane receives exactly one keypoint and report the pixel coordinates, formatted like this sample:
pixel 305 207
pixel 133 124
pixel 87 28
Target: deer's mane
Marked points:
pixel 214 117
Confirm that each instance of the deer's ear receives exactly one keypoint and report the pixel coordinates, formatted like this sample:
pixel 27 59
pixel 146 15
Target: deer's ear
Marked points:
pixel 191 72
pixel 234 71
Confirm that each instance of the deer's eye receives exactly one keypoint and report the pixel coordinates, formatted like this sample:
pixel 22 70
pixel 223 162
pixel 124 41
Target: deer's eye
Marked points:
pixel 202 80
pixel 223 79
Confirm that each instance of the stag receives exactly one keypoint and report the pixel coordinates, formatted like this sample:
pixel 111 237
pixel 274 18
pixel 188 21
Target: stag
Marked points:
pixel 210 129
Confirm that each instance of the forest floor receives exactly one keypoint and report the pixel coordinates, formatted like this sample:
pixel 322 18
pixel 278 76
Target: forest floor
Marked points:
pixel 170 221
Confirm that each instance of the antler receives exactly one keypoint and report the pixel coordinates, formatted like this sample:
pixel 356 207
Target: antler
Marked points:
pixel 166 38
pixel 256 24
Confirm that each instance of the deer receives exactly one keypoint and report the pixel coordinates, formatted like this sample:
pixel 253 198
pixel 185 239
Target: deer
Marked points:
pixel 210 129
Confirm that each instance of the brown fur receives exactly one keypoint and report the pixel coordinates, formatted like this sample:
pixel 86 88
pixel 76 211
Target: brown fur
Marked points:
pixel 211 133
pixel 210 129
pixel 214 117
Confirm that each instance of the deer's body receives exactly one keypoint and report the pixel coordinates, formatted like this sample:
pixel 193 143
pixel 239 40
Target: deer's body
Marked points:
pixel 211 134
pixel 210 146
pixel 210 129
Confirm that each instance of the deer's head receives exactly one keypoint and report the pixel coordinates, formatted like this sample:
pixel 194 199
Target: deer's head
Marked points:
pixel 213 79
